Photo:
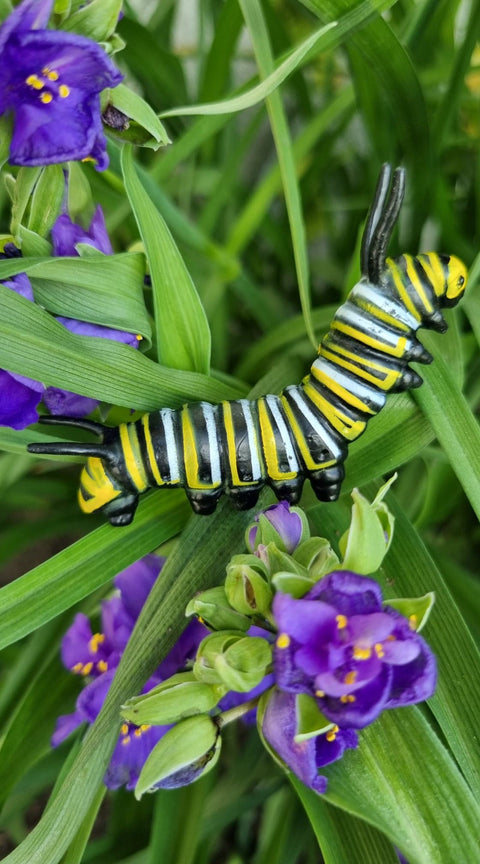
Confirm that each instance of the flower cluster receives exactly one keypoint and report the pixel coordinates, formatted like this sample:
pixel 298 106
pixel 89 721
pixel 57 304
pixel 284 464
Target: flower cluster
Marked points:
pixel 95 657
pixel 51 80
pixel 298 639
pixel 21 396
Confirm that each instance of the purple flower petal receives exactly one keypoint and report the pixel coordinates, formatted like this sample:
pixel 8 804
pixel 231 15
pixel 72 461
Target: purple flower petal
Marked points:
pixel 304 758
pixel 29 15
pixel 131 752
pixel 86 328
pixel 137 580
pixel 369 702
pixel 348 592
pixel 65 725
pixel 63 402
pixel 18 401
pixel 66 234
pixel 303 620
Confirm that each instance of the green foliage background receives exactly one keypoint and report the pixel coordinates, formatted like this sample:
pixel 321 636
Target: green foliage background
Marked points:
pixel 250 220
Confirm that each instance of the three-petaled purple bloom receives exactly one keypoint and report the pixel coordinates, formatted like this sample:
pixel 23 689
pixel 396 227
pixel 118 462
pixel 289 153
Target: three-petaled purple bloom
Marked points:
pixel 51 81
pixel 304 758
pixel 340 644
pixel 96 656
pixel 21 396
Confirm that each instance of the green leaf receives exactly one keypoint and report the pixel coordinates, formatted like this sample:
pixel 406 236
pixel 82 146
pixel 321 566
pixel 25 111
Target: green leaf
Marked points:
pixel 310 720
pixel 183 336
pixel 318 40
pixel 99 368
pixel 415 608
pixel 103 289
pixel 392 781
pixel 131 104
pixel 46 200
pixel 96 21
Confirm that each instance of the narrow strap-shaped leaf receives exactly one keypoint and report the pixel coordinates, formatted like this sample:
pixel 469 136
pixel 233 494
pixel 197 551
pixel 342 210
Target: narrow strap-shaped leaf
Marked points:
pixel 403 780
pixel 196 563
pixel 453 422
pixel 183 335
pixel 91 366
pixel 341 836
pixel 103 289
pixel 254 18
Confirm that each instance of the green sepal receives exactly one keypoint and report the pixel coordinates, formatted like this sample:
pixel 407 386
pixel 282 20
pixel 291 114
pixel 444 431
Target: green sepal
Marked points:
pixel 279 561
pixel 292 583
pixel 46 200
pixel 97 20
pixel 310 720
pixel 214 610
pixel 261 709
pixel 144 128
pixel 243 665
pixel 317 555
pixel 184 754
pixel 416 609
pixel 178 697
pixel 368 539
pixel 246 588
pixel 20 189
pixel 209 649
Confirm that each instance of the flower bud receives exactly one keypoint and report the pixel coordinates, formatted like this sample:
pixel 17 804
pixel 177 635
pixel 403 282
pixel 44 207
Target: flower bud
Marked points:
pixel 317 556
pixel 368 539
pixel 246 586
pixel 178 697
pixel 235 661
pixel 213 609
pixel 186 752
pixel 281 524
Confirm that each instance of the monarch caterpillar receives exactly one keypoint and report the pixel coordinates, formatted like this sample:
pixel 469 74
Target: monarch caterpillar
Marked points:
pixel 239 446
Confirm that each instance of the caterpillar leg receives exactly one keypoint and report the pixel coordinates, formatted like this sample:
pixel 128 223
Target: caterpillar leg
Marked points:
pixel 327 483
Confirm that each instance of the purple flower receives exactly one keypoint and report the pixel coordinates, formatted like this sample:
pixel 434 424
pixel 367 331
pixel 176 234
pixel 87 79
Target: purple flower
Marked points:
pixel 280 524
pixel 51 81
pixel 95 656
pixel 355 656
pixel 304 758
pixel 66 234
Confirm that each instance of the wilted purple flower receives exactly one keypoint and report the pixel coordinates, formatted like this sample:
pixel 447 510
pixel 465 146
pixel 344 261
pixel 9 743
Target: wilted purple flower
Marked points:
pixel 51 81
pixel 96 656
pixel 304 758
pixel 355 656
pixel 286 528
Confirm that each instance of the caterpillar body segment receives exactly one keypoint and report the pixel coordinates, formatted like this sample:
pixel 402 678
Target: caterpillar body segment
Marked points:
pixel 239 446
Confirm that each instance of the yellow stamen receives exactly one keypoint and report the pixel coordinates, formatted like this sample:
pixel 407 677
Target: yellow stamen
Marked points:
pixel 64 91
pixel 413 621
pixel 283 640
pixel 77 668
pixel 126 740
pixel 348 697
pixel 342 621
pixel 145 726
pixel 50 73
pixel 379 650
pixel 102 666
pixel 391 638
pixel 350 678
pixel 34 81
pixel 88 159
pixel 330 736
pixel 95 641
pixel 124 729
pixel 87 668
pixel 360 653
pixel 139 337
pixel 46 98
pixel 138 732
pixel 320 693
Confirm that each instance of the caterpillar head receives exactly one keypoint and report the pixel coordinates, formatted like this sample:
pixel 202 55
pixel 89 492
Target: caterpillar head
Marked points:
pixel 456 279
